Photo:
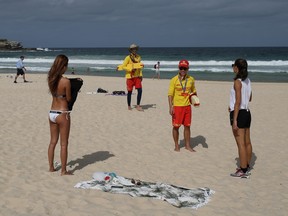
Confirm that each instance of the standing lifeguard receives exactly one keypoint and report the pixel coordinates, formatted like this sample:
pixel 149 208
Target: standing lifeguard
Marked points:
pixel 133 75
pixel 182 86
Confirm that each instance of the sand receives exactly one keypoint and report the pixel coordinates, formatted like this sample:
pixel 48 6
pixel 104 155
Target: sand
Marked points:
pixel 105 136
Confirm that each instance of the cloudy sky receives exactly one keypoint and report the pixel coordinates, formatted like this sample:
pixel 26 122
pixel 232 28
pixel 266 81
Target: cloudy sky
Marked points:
pixel 149 23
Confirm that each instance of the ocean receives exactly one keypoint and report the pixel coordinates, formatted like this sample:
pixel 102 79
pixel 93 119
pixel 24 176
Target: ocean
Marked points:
pixel 265 64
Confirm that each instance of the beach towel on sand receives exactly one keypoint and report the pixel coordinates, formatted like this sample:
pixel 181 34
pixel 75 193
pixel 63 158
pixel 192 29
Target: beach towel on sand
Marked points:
pixel 176 196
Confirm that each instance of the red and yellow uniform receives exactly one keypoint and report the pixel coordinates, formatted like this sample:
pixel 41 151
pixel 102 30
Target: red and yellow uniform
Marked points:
pixel 133 77
pixel 179 91
pixel 132 73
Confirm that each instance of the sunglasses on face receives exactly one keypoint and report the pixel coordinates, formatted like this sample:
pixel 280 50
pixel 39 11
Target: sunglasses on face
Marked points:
pixel 233 65
pixel 183 68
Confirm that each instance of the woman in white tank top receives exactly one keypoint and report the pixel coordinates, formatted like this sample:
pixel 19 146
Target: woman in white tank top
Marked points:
pixel 240 116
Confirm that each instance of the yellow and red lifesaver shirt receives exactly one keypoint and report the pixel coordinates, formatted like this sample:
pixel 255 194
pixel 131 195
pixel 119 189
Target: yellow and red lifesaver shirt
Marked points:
pixel 180 91
pixel 129 74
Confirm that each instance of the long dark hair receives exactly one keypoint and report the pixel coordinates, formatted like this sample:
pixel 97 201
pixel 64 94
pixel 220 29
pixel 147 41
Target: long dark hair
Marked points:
pixel 56 71
pixel 242 66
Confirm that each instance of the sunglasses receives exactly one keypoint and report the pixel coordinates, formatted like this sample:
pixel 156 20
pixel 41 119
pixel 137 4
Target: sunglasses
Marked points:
pixel 233 65
pixel 183 68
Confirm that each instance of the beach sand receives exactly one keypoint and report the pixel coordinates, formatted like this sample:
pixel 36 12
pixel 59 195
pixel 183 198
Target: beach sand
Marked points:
pixel 105 136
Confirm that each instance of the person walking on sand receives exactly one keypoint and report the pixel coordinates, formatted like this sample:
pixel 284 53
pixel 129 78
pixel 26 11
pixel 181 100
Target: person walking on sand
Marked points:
pixel 133 77
pixel 59 115
pixel 157 70
pixel 180 88
pixel 20 69
pixel 240 116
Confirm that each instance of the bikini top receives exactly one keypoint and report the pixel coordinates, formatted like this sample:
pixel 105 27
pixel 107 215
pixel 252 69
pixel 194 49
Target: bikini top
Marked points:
pixel 59 96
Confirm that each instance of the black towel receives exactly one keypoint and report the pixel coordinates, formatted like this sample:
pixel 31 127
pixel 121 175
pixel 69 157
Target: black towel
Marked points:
pixel 76 84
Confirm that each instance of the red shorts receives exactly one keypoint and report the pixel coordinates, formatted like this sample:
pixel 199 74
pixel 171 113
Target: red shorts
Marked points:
pixel 182 115
pixel 135 81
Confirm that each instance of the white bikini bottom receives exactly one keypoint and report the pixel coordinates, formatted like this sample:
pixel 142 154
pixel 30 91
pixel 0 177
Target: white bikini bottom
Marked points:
pixel 53 114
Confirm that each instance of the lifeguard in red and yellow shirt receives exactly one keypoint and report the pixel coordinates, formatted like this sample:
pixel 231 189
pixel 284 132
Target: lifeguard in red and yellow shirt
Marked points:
pixel 182 86
pixel 133 76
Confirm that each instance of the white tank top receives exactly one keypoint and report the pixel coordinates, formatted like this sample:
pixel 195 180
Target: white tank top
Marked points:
pixel 245 95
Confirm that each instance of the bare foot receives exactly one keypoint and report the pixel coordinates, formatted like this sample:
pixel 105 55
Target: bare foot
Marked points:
pixel 129 108
pixel 139 108
pixel 190 149
pixel 66 173
pixel 52 170
pixel 177 149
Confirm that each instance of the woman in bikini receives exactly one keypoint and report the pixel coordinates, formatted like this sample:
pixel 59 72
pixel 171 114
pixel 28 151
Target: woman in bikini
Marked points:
pixel 59 115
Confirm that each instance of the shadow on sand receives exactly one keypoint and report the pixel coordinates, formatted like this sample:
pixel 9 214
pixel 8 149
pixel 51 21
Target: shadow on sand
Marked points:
pixel 148 106
pixel 252 162
pixel 80 163
pixel 195 141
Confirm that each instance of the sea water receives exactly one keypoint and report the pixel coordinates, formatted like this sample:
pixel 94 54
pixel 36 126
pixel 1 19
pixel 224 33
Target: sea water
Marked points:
pixel 265 64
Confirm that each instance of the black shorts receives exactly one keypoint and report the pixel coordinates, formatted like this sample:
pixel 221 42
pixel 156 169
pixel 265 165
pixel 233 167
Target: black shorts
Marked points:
pixel 243 118
pixel 20 71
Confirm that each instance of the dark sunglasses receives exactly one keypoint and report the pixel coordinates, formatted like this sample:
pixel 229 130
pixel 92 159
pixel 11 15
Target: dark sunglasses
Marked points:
pixel 233 65
pixel 183 68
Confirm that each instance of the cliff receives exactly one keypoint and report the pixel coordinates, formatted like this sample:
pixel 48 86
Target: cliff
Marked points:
pixel 10 45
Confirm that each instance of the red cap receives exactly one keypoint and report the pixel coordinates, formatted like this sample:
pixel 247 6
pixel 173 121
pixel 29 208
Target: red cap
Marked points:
pixel 184 63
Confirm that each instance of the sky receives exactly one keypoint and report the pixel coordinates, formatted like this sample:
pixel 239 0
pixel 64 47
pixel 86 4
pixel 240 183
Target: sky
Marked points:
pixel 148 23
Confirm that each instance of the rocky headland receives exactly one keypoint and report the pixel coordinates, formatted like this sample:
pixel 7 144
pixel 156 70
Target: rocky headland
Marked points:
pixel 10 45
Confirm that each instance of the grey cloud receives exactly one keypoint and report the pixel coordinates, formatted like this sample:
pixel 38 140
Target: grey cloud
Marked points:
pixel 157 22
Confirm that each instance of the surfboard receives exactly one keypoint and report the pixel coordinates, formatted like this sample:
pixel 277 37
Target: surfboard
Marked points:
pixel 130 67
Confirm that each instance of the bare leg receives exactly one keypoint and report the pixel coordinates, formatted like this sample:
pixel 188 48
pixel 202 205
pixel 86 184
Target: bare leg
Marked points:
pixel 64 126
pixel 175 133
pixel 240 140
pixel 54 134
pixel 16 78
pixel 187 135
pixel 248 145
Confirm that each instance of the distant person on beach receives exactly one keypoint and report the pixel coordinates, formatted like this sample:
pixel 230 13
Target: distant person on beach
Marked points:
pixel 240 116
pixel 20 69
pixel 59 115
pixel 181 87
pixel 134 77
pixel 157 70
pixel 73 70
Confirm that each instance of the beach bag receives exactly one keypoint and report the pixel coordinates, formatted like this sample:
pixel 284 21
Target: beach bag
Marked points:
pixel 103 177
pixel 118 92
pixel 100 90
